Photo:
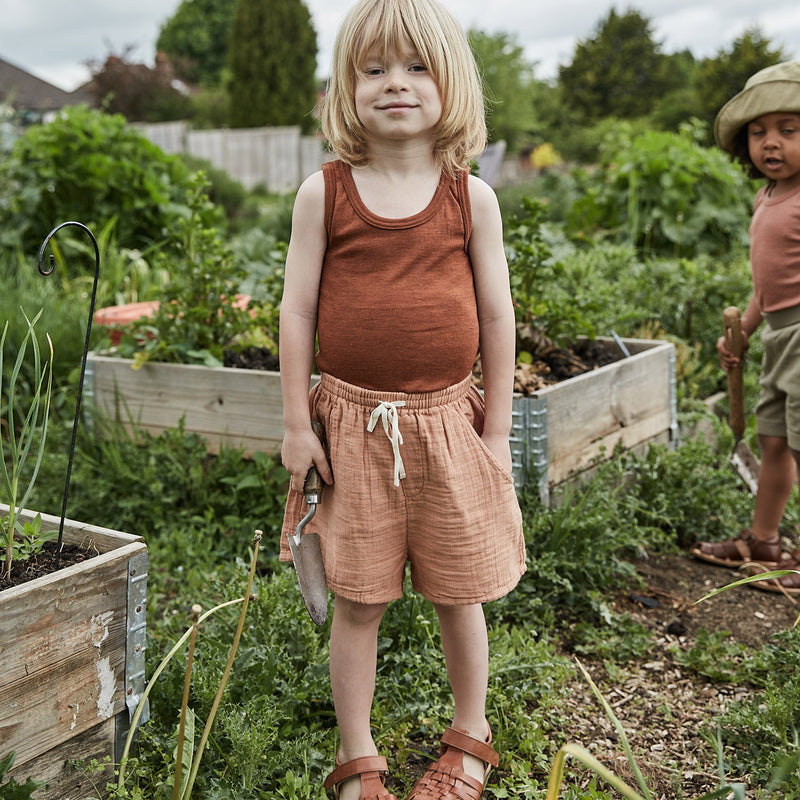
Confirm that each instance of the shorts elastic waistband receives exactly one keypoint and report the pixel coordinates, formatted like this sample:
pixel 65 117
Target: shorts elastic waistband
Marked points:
pixel 782 318
pixel 370 398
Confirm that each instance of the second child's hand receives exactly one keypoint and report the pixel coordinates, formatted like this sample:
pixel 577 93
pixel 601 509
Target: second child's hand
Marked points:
pixel 727 359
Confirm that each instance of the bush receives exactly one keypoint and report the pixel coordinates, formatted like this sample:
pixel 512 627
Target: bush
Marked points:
pixel 666 195
pixel 91 167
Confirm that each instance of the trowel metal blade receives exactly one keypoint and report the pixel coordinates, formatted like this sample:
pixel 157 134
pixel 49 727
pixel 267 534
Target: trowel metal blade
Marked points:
pixel 746 466
pixel 307 558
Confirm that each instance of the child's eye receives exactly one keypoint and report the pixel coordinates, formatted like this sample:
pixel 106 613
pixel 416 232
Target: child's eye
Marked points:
pixel 418 68
pixel 373 71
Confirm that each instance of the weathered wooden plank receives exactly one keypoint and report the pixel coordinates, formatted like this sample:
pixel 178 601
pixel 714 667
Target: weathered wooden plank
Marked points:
pixel 71 695
pixel 577 422
pixel 93 537
pixel 599 403
pixel 564 466
pixel 240 408
pixel 63 644
pixel 65 780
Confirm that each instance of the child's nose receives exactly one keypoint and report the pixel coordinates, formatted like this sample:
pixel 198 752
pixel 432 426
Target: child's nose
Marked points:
pixel 395 79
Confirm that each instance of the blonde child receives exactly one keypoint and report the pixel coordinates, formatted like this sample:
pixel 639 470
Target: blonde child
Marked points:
pixel 760 127
pixel 396 264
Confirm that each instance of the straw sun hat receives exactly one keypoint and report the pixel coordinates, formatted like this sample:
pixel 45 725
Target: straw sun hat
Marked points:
pixel 775 88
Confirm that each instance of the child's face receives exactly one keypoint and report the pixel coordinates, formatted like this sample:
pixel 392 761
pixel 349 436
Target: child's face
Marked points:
pixel 396 96
pixel 774 144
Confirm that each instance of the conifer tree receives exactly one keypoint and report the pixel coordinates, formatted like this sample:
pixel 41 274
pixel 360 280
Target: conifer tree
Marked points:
pixel 272 57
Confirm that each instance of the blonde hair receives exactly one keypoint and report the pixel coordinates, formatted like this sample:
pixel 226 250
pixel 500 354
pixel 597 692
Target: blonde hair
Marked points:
pixel 445 51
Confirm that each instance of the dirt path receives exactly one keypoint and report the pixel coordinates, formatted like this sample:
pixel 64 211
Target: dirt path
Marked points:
pixel 663 706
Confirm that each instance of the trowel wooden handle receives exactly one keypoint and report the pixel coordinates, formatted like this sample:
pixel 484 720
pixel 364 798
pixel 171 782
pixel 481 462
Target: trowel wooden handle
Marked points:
pixel 732 323
pixel 313 483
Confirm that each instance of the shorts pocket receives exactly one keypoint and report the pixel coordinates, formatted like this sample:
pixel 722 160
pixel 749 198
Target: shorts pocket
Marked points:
pixel 475 437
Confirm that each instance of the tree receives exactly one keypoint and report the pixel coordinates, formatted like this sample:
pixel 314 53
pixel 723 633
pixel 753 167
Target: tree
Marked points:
pixel 138 92
pixel 718 79
pixel 618 72
pixel 196 38
pixel 507 78
pixel 272 59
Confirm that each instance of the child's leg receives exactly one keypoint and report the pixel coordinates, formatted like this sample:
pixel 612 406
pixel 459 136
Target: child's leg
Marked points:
pixel 466 651
pixel 761 543
pixel 776 477
pixel 353 657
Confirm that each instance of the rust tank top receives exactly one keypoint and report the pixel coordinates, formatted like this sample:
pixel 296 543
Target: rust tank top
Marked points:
pixel 397 307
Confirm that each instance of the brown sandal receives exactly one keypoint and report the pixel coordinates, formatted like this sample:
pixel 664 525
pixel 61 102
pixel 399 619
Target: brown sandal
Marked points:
pixel 788 584
pixel 372 770
pixel 742 549
pixel 445 779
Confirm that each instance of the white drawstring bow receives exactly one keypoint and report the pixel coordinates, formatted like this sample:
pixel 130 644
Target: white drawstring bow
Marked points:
pixel 387 413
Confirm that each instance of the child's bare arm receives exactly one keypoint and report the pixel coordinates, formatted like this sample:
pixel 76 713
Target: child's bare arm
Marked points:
pixel 495 317
pixel 298 326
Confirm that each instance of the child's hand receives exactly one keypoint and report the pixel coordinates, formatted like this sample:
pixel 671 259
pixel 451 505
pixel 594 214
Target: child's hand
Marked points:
pixel 299 452
pixel 727 359
pixel 500 448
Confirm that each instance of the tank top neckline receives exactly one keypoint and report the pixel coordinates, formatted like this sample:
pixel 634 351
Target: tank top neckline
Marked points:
pixel 389 222
pixel 769 199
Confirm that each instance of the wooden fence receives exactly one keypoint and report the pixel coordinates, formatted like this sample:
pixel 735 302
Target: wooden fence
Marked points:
pixel 278 158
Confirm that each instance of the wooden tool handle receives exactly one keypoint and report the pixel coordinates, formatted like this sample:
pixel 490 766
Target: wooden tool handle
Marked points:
pixel 313 483
pixel 732 324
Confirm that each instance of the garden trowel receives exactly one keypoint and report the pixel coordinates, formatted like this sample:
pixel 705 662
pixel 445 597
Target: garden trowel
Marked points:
pixel 742 459
pixel 306 549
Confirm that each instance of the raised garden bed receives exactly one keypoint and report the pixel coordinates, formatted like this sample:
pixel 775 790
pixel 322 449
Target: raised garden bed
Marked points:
pixel 558 431
pixel 564 429
pixel 72 663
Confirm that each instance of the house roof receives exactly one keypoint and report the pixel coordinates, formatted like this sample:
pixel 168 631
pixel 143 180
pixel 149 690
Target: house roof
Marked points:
pixel 26 91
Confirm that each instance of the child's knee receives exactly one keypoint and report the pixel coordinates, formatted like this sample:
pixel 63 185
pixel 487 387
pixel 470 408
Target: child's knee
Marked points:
pixel 360 614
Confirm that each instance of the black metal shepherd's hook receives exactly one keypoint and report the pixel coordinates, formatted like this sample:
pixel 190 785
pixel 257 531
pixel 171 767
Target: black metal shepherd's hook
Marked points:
pixel 46 272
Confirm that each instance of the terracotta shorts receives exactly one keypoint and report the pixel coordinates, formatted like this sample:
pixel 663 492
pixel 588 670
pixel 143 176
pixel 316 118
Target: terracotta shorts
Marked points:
pixel 778 410
pixel 454 516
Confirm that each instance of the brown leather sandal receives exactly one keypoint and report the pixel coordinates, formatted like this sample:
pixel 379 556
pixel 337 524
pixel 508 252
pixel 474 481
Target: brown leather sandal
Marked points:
pixel 742 549
pixel 445 779
pixel 788 584
pixel 372 770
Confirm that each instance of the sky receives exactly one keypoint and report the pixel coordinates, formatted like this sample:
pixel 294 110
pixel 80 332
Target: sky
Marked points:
pixel 54 39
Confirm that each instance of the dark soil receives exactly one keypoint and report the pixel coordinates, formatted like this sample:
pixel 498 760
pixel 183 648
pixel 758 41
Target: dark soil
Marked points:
pixel 43 563
pixel 252 358
pixel 677 582
pixel 550 363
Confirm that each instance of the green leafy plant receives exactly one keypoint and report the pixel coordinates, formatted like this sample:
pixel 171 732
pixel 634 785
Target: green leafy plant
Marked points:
pixel 30 541
pixel 11 789
pixel 665 194
pixel 91 166
pixel 199 316
pixel 25 437
pixel 534 274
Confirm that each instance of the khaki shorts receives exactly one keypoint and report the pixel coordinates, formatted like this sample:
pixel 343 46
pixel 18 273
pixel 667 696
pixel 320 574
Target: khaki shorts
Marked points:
pixel 454 516
pixel 778 410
